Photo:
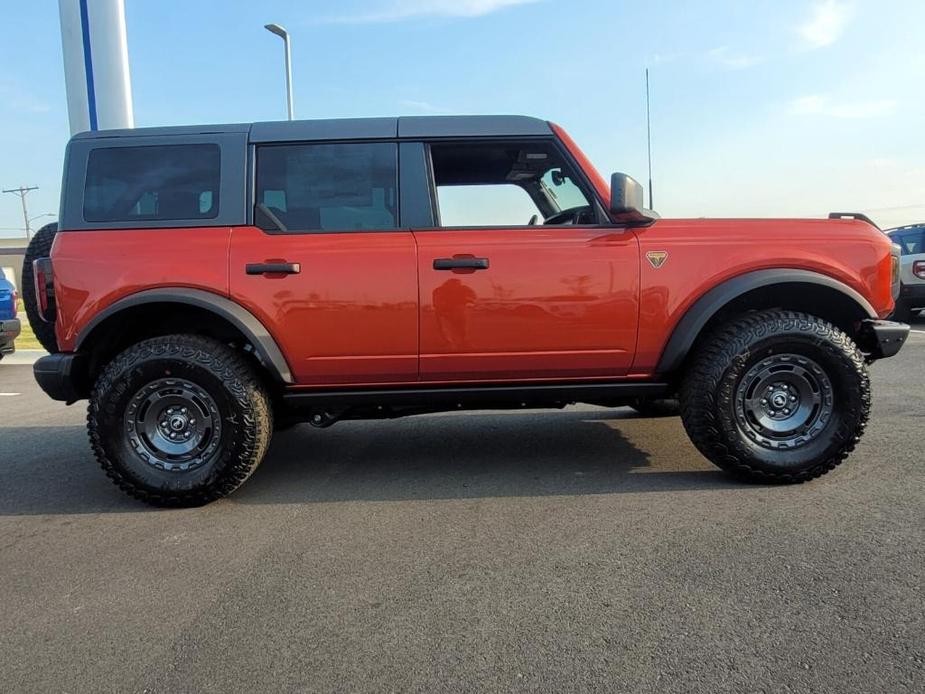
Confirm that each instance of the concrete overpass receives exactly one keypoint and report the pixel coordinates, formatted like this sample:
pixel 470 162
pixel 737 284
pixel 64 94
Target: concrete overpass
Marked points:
pixel 11 257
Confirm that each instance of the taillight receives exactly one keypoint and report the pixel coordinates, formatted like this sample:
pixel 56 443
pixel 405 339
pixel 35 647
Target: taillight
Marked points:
pixel 44 288
pixel 918 269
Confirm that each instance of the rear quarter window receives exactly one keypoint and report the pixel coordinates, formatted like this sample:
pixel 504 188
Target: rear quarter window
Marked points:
pixel 911 242
pixel 152 183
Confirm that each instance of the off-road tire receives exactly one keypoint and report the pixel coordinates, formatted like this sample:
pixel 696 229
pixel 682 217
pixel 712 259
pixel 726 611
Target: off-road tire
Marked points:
pixel 39 247
pixel 657 407
pixel 242 415
pixel 712 385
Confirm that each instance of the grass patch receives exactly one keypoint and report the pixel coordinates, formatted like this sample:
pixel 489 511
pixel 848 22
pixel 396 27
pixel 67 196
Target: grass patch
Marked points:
pixel 26 339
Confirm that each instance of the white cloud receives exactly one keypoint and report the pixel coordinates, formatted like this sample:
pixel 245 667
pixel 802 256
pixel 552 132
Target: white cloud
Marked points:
pixel 397 10
pixel 17 98
pixel 423 107
pixel 822 105
pixel 733 61
pixel 664 58
pixel 826 23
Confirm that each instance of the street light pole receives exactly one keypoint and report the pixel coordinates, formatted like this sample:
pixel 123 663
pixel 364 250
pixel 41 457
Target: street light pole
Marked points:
pixel 22 191
pixel 41 216
pixel 284 35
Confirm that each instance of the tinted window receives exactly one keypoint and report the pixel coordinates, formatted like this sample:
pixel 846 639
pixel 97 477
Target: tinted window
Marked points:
pixel 507 184
pixel 170 182
pixel 337 187
pixel 911 242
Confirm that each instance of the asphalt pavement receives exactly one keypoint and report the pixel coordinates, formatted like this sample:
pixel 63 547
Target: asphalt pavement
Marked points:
pixel 581 550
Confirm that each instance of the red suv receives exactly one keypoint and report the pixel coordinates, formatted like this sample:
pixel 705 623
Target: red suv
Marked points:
pixel 210 283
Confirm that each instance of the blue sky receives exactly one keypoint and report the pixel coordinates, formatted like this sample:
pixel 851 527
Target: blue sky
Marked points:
pixel 759 108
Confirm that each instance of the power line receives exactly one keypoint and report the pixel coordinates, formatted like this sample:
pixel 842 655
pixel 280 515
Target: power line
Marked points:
pixel 22 192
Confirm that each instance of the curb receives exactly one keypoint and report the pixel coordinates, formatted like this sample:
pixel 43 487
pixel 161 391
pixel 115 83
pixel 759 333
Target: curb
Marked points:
pixel 23 357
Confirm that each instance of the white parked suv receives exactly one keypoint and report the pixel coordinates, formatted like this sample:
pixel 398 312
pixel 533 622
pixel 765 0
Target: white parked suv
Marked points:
pixel 911 299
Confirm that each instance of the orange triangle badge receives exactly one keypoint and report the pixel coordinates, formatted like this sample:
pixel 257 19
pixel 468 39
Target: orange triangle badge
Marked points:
pixel 657 258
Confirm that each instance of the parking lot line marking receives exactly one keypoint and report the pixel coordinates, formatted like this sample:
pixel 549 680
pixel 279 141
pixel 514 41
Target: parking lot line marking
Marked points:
pixel 9 395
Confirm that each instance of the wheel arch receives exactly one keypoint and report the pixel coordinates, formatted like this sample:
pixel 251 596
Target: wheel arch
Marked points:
pixel 218 310
pixel 794 289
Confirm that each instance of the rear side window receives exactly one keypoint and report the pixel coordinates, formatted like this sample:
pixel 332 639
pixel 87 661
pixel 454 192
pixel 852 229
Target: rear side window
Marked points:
pixel 169 182
pixel 911 242
pixel 327 188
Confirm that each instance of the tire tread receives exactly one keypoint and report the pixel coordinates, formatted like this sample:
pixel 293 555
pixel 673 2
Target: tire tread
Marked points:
pixel 703 391
pixel 239 377
pixel 39 247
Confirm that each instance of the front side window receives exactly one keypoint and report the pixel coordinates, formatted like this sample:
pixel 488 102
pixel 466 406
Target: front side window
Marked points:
pixel 501 204
pixel 327 187
pixel 507 184
pixel 152 183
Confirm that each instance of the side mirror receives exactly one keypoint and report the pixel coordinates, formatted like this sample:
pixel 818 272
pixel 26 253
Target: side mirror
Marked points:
pixel 627 204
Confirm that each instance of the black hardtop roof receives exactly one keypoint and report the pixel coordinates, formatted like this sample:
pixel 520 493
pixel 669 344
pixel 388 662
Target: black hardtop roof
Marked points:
pixel 350 128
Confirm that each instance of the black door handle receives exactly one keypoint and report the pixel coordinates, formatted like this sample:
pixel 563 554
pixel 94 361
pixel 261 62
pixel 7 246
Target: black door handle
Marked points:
pixel 460 263
pixel 273 268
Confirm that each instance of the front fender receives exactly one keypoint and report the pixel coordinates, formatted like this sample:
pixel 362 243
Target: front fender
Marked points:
pixel 701 311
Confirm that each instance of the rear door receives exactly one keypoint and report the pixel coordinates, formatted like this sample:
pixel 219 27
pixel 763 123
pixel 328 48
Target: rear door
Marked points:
pixel 521 277
pixel 325 265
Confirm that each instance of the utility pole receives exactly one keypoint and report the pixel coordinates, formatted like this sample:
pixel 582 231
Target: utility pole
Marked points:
pixel 649 139
pixel 22 192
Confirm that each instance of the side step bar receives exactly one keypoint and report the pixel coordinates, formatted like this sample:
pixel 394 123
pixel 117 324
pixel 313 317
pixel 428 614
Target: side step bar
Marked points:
pixel 479 396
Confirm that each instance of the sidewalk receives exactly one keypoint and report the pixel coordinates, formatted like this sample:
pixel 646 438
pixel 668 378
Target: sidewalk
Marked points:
pixel 22 357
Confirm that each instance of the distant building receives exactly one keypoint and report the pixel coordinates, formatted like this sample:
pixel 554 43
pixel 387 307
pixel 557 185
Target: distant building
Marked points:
pixel 11 257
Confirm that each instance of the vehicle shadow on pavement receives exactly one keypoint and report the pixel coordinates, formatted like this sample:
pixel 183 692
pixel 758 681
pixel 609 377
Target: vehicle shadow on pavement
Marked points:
pixel 481 455
pixel 50 470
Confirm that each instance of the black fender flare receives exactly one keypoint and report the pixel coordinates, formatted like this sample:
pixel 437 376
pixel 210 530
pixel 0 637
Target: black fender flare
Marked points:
pixel 701 311
pixel 268 352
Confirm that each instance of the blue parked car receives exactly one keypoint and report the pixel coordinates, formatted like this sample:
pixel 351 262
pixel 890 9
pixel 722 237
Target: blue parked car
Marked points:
pixel 9 323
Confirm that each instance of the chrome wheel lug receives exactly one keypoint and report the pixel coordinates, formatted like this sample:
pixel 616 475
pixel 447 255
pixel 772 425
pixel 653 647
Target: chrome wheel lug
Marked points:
pixel 764 401
pixel 793 398
pixel 192 421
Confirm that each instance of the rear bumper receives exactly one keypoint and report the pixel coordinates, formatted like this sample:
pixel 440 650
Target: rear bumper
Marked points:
pixel 9 331
pixel 912 294
pixel 62 376
pixel 882 338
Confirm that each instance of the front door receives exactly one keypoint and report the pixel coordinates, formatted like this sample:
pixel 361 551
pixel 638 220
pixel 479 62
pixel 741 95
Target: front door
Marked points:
pixel 325 267
pixel 520 279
